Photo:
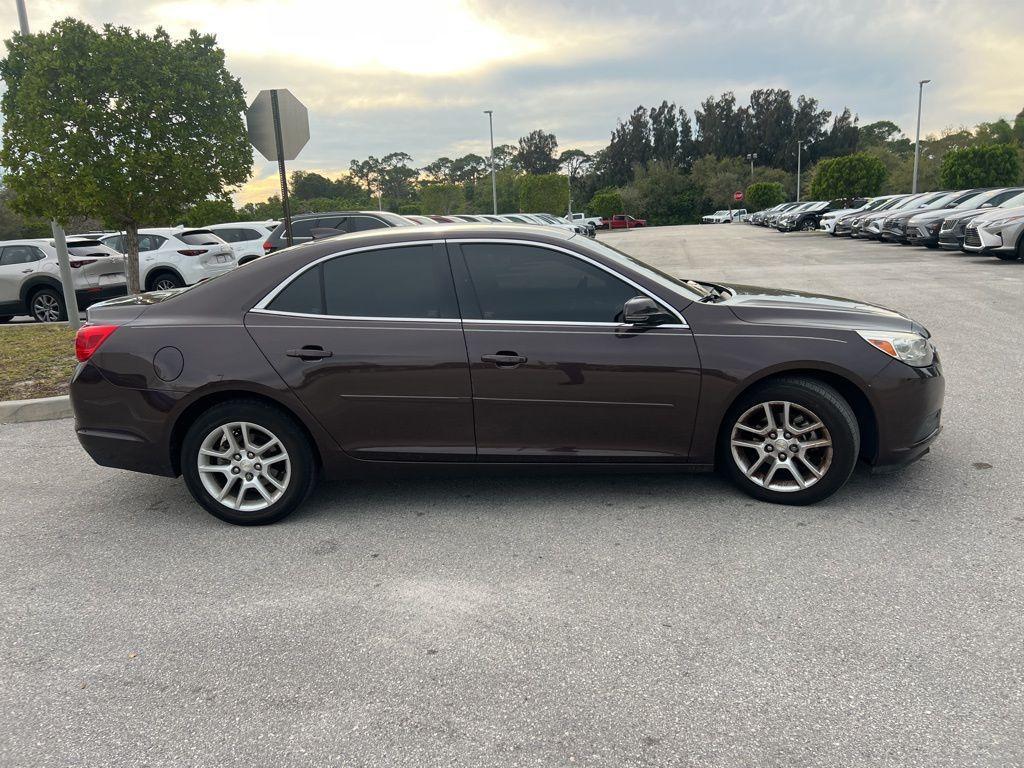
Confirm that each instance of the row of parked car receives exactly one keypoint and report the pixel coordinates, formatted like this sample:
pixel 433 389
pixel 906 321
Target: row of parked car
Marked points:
pixel 174 257
pixel 989 220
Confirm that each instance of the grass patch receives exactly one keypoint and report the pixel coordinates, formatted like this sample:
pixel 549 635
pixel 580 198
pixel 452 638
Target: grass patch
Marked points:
pixel 36 360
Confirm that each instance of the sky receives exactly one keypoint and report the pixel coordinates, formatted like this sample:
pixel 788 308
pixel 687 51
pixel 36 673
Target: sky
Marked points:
pixel 416 75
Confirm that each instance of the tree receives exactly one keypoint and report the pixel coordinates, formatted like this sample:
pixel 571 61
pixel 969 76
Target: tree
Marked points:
pixel 720 126
pixel 998 132
pixel 544 193
pixel 367 172
pixel 396 177
pixel 860 175
pixel 504 157
pixel 574 162
pixel 720 178
pixel 442 198
pixel 131 127
pixel 14 226
pixel 665 133
pixel 306 185
pixel 666 195
pixel 537 153
pixel 763 195
pixel 1018 128
pixel 606 203
pixel 992 165
pixel 207 212
pixel 879 133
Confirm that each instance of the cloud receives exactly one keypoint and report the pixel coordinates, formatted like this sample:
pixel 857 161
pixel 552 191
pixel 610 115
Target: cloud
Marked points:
pixel 415 75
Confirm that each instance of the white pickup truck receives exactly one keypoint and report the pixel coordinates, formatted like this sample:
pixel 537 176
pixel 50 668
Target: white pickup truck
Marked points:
pixel 723 217
pixel 585 221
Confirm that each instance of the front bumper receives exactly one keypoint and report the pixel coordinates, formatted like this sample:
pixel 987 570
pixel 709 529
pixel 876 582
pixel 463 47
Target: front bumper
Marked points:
pixel 978 240
pixel 908 403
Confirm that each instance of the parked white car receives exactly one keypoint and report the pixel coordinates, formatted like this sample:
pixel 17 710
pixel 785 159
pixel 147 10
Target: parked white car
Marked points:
pixel 173 257
pixel 828 221
pixel 246 238
pixel 584 220
pixel 30 282
pixel 723 217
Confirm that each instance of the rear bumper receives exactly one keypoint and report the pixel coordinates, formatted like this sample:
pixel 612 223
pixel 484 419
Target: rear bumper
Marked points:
pixel 86 297
pixel 908 405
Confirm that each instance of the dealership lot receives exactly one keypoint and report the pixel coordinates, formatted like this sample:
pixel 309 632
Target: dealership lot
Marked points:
pixel 623 620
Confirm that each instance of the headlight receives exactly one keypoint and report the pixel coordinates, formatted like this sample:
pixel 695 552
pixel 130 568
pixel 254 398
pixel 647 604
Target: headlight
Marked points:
pixel 912 348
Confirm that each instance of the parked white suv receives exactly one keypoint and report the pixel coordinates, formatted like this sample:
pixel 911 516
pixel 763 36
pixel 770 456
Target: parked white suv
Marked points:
pixel 173 257
pixel 723 217
pixel 30 277
pixel 246 238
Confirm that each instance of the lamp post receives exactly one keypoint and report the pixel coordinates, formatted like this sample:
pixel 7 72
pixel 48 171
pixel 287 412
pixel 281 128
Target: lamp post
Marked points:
pixel 494 183
pixel 752 157
pixel 59 241
pixel 917 139
pixel 799 149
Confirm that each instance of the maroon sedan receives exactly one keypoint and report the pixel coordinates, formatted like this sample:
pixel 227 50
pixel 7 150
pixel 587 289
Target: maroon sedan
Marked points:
pixel 493 345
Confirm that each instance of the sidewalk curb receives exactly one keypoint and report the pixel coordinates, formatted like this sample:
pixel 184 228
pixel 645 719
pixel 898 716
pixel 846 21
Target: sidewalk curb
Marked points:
pixel 40 409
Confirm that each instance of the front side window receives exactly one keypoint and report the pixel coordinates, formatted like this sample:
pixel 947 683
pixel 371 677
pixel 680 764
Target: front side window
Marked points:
pixel 525 282
pixel 407 282
pixel 364 224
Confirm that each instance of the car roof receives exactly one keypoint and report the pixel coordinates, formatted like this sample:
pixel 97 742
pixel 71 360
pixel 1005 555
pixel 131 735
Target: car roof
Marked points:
pixel 267 224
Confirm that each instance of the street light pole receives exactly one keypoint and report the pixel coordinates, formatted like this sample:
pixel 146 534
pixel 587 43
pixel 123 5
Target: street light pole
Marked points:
pixel 60 244
pixel 494 183
pixel 799 148
pixel 917 139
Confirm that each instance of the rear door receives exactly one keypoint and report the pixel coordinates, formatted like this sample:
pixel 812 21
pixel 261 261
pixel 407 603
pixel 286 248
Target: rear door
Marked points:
pixel 371 342
pixel 17 264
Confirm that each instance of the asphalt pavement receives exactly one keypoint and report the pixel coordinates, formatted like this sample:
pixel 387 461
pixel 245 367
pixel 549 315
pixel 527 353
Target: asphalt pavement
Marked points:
pixel 630 620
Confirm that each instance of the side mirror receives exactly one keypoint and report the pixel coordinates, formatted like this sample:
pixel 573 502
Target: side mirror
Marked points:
pixel 643 310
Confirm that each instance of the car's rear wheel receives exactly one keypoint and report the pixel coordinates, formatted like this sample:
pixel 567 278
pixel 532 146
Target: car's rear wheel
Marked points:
pixel 247 462
pixel 792 441
pixel 47 306
pixel 165 281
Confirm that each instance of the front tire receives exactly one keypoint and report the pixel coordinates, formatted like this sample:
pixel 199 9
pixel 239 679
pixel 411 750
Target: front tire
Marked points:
pixel 47 306
pixel 248 463
pixel 791 441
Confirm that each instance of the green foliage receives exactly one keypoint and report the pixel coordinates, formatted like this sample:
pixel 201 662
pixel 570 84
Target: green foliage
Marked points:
pixel 208 212
pixel 268 210
pixel 859 175
pixel 544 193
pixel 14 226
pixel 536 153
pixel 442 198
pixel 993 165
pixel 605 203
pixel 665 195
pixel 131 127
pixel 763 195
pixel 720 179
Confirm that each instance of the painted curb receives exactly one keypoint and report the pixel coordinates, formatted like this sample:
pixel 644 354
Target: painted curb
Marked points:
pixel 40 409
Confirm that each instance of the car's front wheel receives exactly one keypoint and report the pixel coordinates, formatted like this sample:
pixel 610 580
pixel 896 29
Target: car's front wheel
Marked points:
pixel 792 441
pixel 47 306
pixel 247 462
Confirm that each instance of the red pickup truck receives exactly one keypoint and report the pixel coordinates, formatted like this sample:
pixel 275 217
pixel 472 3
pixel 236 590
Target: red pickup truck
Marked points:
pixel 623 221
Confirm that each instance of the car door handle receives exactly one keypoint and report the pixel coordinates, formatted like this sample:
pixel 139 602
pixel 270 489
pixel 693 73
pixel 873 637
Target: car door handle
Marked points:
pixel 310 352
pixel 504 359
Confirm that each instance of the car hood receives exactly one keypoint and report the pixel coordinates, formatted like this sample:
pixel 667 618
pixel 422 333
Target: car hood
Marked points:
pixel 991 214
pixel 772 306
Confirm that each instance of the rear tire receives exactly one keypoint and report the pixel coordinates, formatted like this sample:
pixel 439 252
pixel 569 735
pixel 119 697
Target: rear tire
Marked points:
pixel 248 463
pixel 766 467
pixel 46 305
pixel 165 281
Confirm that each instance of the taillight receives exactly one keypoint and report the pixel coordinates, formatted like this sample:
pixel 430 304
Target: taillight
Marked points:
pixel 193 252
pixel 89 338
pixel 267 247
pixel 76 263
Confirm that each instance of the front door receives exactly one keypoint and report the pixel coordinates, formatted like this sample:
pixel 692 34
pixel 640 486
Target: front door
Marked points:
pixel 556 375
pixel 371 342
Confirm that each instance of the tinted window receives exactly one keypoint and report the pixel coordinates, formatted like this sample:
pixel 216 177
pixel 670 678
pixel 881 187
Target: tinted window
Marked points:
pixel 364 223
pixel 395 282
pixel 229 234
pixel 247 234
pixel 199 237
pixel 152 242
pixel 300 228
pixel 333 222
pixel 114 242
pixel 303 295
pixel 19 254
pixel 519 282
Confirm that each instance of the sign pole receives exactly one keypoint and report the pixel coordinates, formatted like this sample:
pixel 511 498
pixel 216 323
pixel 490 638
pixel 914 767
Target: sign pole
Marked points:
pixel 279 142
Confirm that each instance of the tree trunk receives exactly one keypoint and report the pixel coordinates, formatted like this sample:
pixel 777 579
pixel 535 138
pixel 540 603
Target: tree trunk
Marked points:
pixel 131 258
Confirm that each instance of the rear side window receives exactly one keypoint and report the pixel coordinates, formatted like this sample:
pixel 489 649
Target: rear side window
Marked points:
pixel 300 228
pixel 199 237
pixel 150 242
pixel 114 242
pixel 407 282
pixel 364 223
pixel 19 254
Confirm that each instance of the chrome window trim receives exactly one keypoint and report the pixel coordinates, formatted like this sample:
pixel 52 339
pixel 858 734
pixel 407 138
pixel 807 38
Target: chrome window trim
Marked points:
pixel 261 305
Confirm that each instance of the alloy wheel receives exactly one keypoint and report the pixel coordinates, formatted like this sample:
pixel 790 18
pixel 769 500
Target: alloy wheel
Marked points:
pixel 781 446
pixel 46 308
pixel 165 284
pixel 244 466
